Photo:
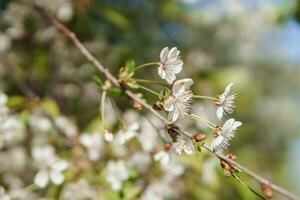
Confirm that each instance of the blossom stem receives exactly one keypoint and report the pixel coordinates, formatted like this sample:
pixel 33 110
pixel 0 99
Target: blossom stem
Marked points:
pixel 205 97
pixel 103 108
pixel 148 90
pixel 202 120
pixel 145 65
pixel 117 112
pixel 151 82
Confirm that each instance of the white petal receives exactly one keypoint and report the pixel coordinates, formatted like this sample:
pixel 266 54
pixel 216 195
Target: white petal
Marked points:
pixel 60 165
pixel 219 112
pixel 164 54
pixel 237 124
pixel 217 143
pixel 174 53
pixel 57 177
pixel 108 136
pixel 168 104
pixel 170 76
pixel 177 66
pixel 161 72
pixel 228 89
pixel 163 157
pixel 173 116
pixel 41 178
pixel 134 126
pixel 116 185
pixel 189 149
pixel 94 154
pixel 86 140
pixel 182 84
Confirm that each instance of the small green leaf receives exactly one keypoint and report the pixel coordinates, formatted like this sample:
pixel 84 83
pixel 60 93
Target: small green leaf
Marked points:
pixel 115 92
pixel 131 192
pixel 130 65
pixel 163 94
pixel 96 79
pixel 50 107
pixel 15 101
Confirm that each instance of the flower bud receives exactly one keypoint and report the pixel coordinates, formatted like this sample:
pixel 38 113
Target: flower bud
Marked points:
pixel 199 137
pixel 137 105
pixel 168 146
pixel 267 190
pixel 107 85
pixel 231 156
pixel 158 106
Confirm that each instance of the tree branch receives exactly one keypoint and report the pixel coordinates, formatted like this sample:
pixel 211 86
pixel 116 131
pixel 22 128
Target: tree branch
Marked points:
pixel 133 96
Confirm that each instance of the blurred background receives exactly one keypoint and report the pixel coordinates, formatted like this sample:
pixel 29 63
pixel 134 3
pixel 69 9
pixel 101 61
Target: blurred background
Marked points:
pixel 253 43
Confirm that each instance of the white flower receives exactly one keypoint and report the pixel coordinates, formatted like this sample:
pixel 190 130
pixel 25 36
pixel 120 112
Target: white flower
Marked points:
pixel 52 172
pixel 141 161
pixel 3 194
pixel 163 157
pixel 66 126
pixel 184 144
pixel 108 136
pixel 148 135
pixel 11 131
pixel 93 143
pixel 40 123
pixel 116 174
pixel 78 191
pixel 225 134
pixel 43 155
pixel 170 64
pixel 179 102
pixel 65 12
pixel 3 99
pixel 225 102
pixel 124 136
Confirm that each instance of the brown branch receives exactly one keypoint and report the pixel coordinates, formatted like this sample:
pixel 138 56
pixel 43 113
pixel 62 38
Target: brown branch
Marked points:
pixel 131 95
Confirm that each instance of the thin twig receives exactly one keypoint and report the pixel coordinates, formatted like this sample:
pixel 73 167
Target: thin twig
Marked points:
pixel 133 96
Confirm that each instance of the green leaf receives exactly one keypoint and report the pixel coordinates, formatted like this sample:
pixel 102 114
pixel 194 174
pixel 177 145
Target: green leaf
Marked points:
pixel 131 192
pixel 15 101
pixel 115 92
pixel 236 176
pixel 50 107
pixel 163 94
pixel 96 79
pixel 130 65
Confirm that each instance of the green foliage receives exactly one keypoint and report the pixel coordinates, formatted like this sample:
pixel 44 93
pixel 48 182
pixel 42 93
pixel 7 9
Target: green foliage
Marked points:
pixel 130 65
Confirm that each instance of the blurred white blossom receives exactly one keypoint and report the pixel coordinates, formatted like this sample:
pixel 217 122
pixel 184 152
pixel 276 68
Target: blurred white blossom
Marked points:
pixel 179 102
pixel 3 194
pixel 170 64
pixel 40 123
pixel 80 190
pixel 184 144
pixel 108 136
pixel 66 126
pixel 11 131
pixel 65 11
pixel 93 143
pixel 224 134
pixel 117 173
pixel 51 171
pixel 50 166
pixel 141 161
pixel 148 135
pixel 126 134
pixel 225 102
pixel 163 157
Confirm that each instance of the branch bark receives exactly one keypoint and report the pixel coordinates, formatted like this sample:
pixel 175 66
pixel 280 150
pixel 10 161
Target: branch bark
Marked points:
pixel 131 95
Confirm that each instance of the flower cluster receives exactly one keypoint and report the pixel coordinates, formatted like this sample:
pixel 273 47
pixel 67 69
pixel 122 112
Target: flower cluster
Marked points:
pixel 179 102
